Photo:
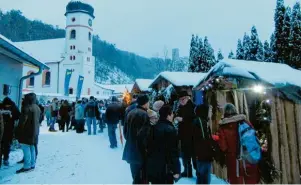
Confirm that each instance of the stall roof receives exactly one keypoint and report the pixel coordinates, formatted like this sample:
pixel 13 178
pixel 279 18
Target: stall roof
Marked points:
pixel 12 48
pixel 273 73
pixel 179 78
pixel 118 89
pixel 143 84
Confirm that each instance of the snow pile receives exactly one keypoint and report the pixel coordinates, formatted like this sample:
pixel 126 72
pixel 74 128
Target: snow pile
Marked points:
pixel 143 84
pixel 70 158
pixel 273 73
pixel 179 78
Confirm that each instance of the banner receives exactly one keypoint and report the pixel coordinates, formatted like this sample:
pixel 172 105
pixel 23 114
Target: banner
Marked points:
pixel 79 86
pixel 67 81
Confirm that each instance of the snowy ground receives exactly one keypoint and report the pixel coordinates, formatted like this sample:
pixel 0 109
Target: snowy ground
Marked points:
pixel 70 158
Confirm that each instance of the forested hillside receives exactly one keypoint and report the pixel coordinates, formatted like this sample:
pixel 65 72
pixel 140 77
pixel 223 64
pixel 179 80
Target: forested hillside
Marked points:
pixel 17 27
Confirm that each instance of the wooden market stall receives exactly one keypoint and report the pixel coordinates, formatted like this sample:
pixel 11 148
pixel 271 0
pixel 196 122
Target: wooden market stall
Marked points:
pixel 141 86
pixel 269 94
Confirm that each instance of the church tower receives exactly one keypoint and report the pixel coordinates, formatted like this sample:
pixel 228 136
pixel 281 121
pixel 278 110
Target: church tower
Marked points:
pixel 78 47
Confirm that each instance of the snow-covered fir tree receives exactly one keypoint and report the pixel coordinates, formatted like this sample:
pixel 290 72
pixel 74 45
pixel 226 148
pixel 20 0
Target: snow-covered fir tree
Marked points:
pixel 267 52
pixel 254 45
pixel 279 24
pixel 231 55
pixel 219 55
pixel 240 51
pixel 208 57
pixel 259 54
pixel 273 48
pixel 296 37
pixel 200 54
pixel 246 47
pixel 286 32
pixel 193 55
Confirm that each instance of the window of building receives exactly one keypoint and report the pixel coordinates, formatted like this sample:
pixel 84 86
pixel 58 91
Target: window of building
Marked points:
pixel 31 80
pixel 97 92
pixel 88 59
pixel 89 91
pixel 90 36
pixel 71 47
pixel 73 34
pixel 70 90
pixel 47 78
pixel 89 49
pixel 73 57
pixel 73 19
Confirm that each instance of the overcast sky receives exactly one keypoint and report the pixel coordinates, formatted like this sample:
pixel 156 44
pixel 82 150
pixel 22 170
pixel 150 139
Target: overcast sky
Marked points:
pixel 147 26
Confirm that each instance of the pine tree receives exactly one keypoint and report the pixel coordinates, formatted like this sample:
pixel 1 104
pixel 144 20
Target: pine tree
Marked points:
pixel 295 38
pixel 254 45
pixel 279 24
pixel 246 47
pixel 208 58
pixel 200 53
pixel 286 32
pixel 259 55
pixel 231 55
pixel 220 55
pixel 193 55
pixel 240 51
pixel 273 48
pixel 267 55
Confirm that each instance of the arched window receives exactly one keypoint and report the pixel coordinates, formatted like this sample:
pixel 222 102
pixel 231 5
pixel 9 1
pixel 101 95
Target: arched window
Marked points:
pixel 73 34
pixel 47 78
pixel 90 36
pixel 73 47
pixel 70 90
pixel 73 57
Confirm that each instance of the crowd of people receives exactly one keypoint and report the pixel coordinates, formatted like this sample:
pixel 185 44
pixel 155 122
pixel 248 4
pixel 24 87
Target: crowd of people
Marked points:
pixel 157 135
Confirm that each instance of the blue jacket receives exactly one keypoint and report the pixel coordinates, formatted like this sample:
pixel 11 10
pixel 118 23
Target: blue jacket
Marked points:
pixel 79 112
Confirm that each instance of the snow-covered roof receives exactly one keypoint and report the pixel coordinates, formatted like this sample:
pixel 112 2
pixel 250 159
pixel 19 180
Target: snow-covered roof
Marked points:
pixel 179 78
pixel 118 89
pixel 18 51
pixel 143 84
pixel 49 50
pixel 274 73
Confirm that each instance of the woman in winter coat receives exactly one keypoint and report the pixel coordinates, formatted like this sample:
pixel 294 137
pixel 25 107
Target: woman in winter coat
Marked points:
pixel 65 110
pixel 79 117
pixel 238 173
pixel 203 143
pixel 162 154
pixel 28 131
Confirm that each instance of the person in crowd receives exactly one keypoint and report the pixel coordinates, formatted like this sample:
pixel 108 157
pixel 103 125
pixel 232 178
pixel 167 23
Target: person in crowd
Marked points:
pixel 42 109
pixel 91 113
pixel 101 123
pixel 54 114
pixel 134 122
pixel 72 116
pixel 238 172
pixel 1 131
pixel 10 115
pixel 154 114
pixel 28 132
pixel 185 117
pixel 202 143
pixel 79 117
pixel 48 113
pixel 113 116
pixel 162 157
pixel 65 110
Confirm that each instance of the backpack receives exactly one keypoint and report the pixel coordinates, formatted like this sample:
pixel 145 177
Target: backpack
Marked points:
pixel 250 149
pixel 145 138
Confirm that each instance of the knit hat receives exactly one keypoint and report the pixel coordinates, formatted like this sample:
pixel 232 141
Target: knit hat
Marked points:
pixel 183 94
pixel 153 116
pixel 142 100
pixel 157 105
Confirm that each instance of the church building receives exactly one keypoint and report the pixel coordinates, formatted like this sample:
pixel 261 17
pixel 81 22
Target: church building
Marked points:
pixel 70 59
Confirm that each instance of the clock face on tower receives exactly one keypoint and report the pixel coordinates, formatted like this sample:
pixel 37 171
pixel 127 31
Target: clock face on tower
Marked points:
pixel 90 22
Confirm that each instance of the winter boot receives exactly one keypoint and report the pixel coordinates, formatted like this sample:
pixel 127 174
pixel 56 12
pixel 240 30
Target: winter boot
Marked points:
pixel 20 162
pixel 187 173
pixel 22 170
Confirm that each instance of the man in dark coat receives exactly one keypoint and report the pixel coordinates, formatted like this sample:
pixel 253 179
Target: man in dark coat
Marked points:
pixel 134 122
pixel 185 117
pixel 64 111
pixel 91 114
pixel 163 164
pixel 113 116
pixel 28 132
pixel 10 116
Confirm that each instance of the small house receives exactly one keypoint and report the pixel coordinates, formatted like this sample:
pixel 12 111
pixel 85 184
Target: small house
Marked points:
pixel 141 86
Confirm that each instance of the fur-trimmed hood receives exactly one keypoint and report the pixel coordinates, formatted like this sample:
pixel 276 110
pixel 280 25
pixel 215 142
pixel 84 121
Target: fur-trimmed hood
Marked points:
pixel 233 119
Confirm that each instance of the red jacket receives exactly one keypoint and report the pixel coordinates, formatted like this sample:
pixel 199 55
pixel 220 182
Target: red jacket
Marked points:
pixel 228 142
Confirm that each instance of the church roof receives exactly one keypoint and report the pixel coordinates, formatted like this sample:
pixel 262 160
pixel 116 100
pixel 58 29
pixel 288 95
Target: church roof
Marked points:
pixel 78 6
pixel 46 51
